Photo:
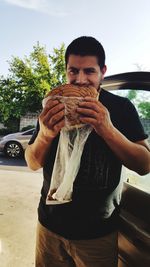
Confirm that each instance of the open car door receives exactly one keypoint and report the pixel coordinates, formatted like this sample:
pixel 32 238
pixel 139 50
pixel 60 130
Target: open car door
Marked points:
pixel 134 231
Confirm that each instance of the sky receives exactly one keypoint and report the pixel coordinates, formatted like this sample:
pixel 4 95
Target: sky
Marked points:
pixel 122 26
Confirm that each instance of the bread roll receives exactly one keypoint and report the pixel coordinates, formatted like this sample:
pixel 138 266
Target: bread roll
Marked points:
pixel 70 90
pixel 71 95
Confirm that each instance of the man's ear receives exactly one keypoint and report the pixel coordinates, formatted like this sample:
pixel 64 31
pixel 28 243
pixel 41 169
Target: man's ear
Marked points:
pixel 103 71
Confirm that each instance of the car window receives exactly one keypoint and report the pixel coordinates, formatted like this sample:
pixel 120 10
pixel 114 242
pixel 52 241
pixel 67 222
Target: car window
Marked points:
pixel 30 132
pixel 140 99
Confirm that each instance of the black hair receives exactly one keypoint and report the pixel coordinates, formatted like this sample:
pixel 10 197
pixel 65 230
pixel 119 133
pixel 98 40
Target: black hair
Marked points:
pixel 86 46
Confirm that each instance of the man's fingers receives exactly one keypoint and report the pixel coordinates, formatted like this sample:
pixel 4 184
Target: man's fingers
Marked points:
pixel 88 101
pixel 88 120
pixel 48 113
pixel 57 127
pixel 94 105
pixel 50 104
pixel 57 117
pixel 87 112
pixel 55 110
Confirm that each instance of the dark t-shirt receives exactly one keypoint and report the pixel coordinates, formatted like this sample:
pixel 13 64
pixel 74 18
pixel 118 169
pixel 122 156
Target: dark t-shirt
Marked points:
pixel 94 209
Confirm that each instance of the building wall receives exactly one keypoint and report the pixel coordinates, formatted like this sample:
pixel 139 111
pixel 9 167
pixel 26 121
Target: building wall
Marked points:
pixel 29 119
pixel 2 125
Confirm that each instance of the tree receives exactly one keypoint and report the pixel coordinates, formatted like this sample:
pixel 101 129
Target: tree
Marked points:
pixel 29 80
pixel 144 108
pixel 138 99
pixel 10 97
pixel 132 94
pixel 58 63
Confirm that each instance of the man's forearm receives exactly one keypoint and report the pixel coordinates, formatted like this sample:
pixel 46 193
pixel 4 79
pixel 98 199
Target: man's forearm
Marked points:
pixel 35 153
pixel 134 156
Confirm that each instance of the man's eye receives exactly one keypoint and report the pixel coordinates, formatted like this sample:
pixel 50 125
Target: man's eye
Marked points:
pixel 89 71
pixel 73 72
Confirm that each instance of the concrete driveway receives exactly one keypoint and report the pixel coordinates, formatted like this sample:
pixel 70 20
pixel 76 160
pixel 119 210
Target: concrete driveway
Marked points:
pixel 19 196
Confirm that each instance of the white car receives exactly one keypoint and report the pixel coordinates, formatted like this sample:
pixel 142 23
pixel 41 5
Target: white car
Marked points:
pixel 14 145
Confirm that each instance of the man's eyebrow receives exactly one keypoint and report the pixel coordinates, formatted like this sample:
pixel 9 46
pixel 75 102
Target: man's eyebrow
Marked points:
pixel 72 68
pixel 89 69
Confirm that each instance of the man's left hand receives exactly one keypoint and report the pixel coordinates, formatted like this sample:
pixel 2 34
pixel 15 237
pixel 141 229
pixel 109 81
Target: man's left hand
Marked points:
pixel 96 114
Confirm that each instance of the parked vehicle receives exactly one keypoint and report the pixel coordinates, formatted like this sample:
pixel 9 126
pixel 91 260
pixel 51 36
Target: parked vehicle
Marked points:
pixel 13 145
pixel 134 230
pixel 137 80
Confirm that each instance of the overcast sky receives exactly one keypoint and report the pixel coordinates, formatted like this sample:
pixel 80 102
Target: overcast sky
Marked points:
pixel 122 26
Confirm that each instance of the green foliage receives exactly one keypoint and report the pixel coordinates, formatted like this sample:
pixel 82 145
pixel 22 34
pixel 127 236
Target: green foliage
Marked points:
pixel 132 94
pixel 5 131
pixel 12 124
pixel 58 64
pixel 29 80
pixel 144 108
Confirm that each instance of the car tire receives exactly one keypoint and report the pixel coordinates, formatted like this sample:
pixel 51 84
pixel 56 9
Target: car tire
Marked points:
pixel 13 149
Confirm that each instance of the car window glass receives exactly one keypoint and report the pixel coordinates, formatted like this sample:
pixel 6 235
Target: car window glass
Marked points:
pixel 140 99
pixel 29 132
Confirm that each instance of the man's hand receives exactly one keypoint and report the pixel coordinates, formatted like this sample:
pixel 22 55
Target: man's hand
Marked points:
pixel 51 122
pixel 51 119
pixel 134 156
pixel 96 114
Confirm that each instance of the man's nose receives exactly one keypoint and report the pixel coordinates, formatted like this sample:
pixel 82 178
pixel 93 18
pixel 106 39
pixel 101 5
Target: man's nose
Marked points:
pixel 81 78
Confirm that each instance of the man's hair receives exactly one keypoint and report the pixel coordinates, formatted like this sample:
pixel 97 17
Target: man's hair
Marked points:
pixel 86 46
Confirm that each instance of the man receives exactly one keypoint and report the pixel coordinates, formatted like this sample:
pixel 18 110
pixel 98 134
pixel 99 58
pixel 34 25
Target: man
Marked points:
pixel 83 232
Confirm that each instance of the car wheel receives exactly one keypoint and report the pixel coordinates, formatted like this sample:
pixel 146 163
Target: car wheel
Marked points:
pixel 13 149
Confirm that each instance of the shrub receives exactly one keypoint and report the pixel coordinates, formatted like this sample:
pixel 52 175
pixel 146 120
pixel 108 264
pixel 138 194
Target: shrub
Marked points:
pixel 28 127
pixel 5 131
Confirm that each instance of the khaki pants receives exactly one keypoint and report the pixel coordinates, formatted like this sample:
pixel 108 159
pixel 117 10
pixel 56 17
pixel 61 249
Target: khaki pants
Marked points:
pixel 53 250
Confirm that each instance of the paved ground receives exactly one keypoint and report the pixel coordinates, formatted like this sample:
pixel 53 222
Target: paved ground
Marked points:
pixel 19 195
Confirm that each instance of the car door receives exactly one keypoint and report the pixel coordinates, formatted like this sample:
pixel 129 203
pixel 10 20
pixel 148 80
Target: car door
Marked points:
pixel 134 227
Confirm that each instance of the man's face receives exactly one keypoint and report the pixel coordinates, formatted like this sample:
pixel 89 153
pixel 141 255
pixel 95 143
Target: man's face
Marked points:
pixel 84 71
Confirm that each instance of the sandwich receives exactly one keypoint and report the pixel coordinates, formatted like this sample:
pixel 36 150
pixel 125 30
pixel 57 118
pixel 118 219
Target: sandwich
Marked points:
pixel 71 95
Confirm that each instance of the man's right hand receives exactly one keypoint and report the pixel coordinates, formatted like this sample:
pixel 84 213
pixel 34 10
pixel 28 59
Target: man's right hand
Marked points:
pixel 51 119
